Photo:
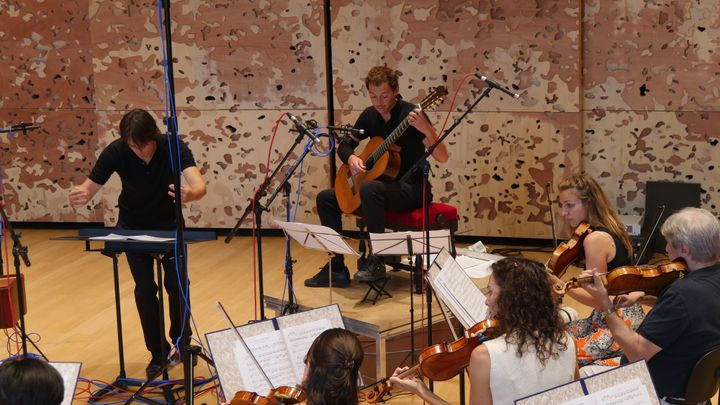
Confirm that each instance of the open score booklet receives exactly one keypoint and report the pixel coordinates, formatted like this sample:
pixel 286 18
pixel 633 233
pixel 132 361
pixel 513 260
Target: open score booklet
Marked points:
pixel 281 353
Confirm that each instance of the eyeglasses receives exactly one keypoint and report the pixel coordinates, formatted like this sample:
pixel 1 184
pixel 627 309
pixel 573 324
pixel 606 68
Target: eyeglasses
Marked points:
pixel 568 205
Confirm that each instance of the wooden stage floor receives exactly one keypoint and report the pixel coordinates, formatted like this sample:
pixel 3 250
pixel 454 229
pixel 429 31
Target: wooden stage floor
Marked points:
pixel 71 308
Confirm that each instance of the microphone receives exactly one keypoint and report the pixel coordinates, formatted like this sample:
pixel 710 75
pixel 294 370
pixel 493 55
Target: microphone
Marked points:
pixel 496 85
pixel 347 129
pixel 301 127
pixel 24 127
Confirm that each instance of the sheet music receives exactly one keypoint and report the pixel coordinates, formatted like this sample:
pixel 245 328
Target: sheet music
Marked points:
pixel 464 298
pixel 299 232
pixel 235 369
pixel 626 393
pixel 272 354
pixel 395 243
pixel 331 240
pixel 317 237
pixel 628 384
pixel 70 373
pixel 109 237
pixel 140 238
pixel 299 338
pixel 476 264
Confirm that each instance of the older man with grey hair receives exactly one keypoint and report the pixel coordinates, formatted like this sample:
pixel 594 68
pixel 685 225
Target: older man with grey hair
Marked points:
pixel 684 323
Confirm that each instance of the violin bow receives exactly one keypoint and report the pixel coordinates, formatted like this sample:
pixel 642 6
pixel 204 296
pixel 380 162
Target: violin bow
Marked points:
pixel 552 215
pixel 252 356
pixel 660 210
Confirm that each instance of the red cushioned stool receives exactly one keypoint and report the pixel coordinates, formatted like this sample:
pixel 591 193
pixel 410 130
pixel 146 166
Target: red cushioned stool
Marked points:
pixel 442 216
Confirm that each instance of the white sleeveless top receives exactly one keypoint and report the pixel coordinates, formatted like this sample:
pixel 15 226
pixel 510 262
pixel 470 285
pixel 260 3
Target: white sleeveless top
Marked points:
pixel 513 377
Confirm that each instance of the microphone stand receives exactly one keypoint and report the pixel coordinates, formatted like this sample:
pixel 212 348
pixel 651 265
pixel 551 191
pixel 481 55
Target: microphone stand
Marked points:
pixel 188 351
pixel 423 164
pixel 19 252
pixel 259 208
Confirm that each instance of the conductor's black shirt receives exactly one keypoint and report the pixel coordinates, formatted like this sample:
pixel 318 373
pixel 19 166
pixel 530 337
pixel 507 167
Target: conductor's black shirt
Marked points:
pixel 144 202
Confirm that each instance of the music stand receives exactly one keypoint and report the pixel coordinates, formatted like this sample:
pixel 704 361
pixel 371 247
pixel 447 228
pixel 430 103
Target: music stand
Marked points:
pixel 411 243
pixel 153 242
pixel 318 237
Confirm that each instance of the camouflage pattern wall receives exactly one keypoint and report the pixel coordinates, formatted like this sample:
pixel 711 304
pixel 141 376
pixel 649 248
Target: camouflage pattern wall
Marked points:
pixel 625 90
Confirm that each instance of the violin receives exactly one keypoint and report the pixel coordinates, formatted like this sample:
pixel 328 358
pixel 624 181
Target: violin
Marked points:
pixel 280 395
pixel 444 361
pixel 251 398
pixel 288 395
pixel 648 278
pixel 569 252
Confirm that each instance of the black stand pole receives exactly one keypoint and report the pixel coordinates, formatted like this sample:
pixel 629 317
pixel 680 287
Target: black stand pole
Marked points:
pixel 425 166
pixel 291 307
pixel 180 249
pixel 259 208
pixel 19 251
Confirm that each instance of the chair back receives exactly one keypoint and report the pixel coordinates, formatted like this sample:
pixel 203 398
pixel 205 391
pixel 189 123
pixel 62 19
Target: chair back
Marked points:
pixel 704 379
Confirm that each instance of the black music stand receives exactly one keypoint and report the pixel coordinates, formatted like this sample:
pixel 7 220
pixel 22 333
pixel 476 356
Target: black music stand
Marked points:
pixel 410 243
pixel 318 237
pixel 153 242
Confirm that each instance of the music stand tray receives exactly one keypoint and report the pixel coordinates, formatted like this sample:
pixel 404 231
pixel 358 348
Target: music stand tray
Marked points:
pixel 409 243
pixel 318 237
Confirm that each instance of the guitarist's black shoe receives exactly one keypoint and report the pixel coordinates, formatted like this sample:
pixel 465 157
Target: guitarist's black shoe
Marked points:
pixel 340 277
pixel 372 269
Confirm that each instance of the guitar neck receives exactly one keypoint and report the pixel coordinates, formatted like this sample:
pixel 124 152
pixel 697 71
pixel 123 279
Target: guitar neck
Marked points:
pixel 394 135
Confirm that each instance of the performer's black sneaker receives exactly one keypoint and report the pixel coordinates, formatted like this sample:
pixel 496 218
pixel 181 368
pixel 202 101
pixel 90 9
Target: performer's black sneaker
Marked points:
pixel 371 269
pixel 340 277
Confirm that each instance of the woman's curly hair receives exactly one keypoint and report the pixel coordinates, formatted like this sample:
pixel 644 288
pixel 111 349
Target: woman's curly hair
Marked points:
pixel 526 308
pixel 334 361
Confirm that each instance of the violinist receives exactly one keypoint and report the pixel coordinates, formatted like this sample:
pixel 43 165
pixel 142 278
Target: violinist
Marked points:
pixel 532 354
pixel 331 376
pixel 332 369
pixel 608 246
pixel 684 324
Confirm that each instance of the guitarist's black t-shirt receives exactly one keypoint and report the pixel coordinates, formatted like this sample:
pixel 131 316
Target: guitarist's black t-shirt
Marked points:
pixel 410 142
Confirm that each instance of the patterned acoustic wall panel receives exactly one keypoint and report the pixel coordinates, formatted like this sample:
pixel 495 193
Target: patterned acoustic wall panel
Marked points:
pixel 652 97
pixel 626 91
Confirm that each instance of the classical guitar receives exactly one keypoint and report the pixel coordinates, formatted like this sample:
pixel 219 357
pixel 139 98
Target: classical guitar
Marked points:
pixel 381 157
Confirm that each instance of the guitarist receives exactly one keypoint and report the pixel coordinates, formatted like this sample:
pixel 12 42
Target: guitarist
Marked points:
pixel 388 110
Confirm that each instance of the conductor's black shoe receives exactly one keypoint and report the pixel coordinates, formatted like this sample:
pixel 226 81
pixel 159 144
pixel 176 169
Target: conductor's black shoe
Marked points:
pixel 153 367
pixel 371 269
pixel 340 277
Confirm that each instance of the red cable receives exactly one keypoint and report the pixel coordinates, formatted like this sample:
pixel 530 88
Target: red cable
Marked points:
pixel 423 269
pixel 254 221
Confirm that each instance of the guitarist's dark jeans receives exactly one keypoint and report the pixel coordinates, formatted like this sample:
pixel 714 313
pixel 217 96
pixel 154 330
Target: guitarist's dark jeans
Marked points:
pixel 376 197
